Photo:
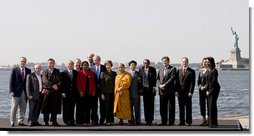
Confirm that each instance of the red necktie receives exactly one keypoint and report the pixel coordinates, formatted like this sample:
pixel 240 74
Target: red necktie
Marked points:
pixel 184 71
pixel 23 74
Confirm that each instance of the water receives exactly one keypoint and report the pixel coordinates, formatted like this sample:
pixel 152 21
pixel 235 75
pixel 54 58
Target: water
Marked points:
pixel 233 98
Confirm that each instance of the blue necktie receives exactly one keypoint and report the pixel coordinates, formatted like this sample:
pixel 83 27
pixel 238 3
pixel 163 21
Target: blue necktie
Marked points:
pixel 98 73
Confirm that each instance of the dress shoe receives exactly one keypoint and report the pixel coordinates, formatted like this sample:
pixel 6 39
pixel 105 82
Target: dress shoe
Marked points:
pixel 188 124
pixel 149 123
pixel 120 123
pixel 12 125
pixel 171 124
pixel 181 124
pixel 22 124
pixel 203 123
pixel 55 124
pixel 46 124
pixel 163 124
pixel 214 126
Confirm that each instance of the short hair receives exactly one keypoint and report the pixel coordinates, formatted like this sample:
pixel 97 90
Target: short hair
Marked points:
pixel 69 61
pixel 84 62
pixel 147 60
pixel 185 58
pixel 50 59
pixel 108 62
pixel 165 57
pixel 37 65
pixel 133 61
pixel 97 56
pixel 78 59
pixel 23 58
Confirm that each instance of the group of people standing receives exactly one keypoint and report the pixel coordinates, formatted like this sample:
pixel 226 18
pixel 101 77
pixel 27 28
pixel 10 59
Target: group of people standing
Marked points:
pixel 85 84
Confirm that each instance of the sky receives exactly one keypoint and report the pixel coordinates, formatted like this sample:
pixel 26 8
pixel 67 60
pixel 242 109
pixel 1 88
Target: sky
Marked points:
pixel 121 30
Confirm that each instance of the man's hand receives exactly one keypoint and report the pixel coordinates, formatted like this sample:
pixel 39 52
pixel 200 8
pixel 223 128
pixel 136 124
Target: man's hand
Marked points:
pixel 103 97
pixel 81 94
pixel 63 95
pixel 162 87
pixel 30 97
pixel 55 87
pixel 176 94
pixel 190 94
pixel 12 94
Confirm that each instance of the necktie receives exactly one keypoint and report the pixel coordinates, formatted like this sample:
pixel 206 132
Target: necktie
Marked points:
pixel 71 75
pixel 98 72
pixel 184 72
pixel 23 74
pixel 165 71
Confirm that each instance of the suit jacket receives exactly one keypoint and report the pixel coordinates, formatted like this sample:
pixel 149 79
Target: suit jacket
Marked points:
pixel 213 86
pixel 151 76
pixel 33 86
pixel 135 85
pixel 186 83
pixel 98 81
pixel 16 84
pixel 69 87
pixel 168 79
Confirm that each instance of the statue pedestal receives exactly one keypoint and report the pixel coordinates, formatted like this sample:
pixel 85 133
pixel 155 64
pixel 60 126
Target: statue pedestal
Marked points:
pixel 236 59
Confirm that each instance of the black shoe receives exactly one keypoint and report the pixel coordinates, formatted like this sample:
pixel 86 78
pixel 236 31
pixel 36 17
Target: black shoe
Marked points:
pixel 55 124
pixel 149 123
pixel 46 124
pixel 22 124
pixel 12 125
pixel 181 124
pixel 203 123
pixel 94 123
pixel 30 124
pixel 214 126
pixel 163 124
pixel 171 124
pixel 188 124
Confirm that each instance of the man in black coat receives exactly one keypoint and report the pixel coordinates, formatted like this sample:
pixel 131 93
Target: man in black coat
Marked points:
pixel 69 92
pixel 166 79
pixel 185 89
pixel 148 80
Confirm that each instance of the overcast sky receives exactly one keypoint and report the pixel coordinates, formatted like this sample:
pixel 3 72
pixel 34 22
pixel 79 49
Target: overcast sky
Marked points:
pixel 121 30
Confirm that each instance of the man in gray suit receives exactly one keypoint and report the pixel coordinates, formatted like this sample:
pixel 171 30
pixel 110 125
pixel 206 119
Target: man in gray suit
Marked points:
pixel 33 90
pixel 134 94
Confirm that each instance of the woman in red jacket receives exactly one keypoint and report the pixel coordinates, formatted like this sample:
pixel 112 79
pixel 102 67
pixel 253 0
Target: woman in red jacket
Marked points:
pixel 86 88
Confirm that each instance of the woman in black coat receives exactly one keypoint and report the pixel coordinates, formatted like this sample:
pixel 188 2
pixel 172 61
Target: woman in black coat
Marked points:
pixel 213 90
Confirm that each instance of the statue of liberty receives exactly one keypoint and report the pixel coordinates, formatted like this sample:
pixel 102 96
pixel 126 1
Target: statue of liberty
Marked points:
pixel 235 38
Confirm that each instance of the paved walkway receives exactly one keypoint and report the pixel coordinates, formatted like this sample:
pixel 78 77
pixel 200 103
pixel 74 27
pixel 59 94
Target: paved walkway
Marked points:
pixel 224 125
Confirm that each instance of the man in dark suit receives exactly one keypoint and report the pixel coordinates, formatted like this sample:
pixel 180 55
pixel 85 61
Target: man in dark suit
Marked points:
pixel 148 80
pixel 134 94
pixel 97 68
pixel 51 79
pixel 186 84
pixel 33 90
pixel 166 78
pixel 69 92
pixel 17 86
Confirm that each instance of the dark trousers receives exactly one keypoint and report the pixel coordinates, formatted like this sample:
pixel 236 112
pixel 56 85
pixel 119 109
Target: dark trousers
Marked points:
pixel 79 117
pixel 167 108
pixel 52 117
pixel 148 98
pixel 34 110
pixel 68 110
pixel 213 112
pixel 94 106
pixel 135 110
pixel 203 101
pixel 108 107
pixel 185 108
